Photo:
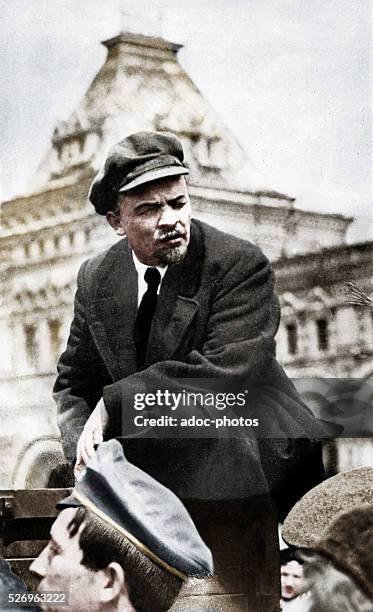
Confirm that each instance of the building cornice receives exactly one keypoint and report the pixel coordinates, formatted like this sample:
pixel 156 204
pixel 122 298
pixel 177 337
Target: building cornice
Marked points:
pixel 153 42
pixel 327 267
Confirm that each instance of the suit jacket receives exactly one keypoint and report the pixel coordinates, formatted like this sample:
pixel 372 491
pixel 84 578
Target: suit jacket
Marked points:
pixel 216 318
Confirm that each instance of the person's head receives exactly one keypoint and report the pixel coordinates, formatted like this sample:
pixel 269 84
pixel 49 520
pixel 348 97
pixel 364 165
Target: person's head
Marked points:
pixel 291 574
pixel 328 588
pixel 155 217
pixel 100 569
pixel 141 189
pixel 122 541
pixel 339 569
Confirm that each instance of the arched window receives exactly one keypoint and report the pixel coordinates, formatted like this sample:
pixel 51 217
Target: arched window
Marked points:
pixel 292 338
pixel 30 341
pixel 55 336
pixel 322 334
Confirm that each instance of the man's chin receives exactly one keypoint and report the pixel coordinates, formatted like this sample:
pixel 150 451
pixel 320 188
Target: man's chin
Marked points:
pixel 169 256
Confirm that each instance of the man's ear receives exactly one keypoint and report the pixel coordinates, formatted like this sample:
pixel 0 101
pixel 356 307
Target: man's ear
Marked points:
pixel 113 219
pixel 112 583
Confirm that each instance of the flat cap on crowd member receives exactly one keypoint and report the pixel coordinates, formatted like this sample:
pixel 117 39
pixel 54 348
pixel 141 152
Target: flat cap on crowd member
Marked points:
pixel 123 516
pixel 313 514
pixel 140 158
pixel 143 510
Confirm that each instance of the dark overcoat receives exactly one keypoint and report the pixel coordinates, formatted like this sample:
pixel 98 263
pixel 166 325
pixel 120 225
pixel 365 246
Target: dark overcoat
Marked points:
pixel 216 318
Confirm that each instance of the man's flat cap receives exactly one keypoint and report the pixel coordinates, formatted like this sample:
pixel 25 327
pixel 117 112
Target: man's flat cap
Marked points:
pixel 313 514
pixel 138 159
pixel 142 510
pixel 348 544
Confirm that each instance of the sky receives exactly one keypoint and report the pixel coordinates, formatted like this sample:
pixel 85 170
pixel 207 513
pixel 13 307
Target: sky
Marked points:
pixel 290 78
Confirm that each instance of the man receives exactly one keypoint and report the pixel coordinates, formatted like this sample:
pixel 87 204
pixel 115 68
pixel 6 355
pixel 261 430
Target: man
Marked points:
pixel 122 542
pixel 291 578
pixel 338 569
pixel 174 305
pixel 333 526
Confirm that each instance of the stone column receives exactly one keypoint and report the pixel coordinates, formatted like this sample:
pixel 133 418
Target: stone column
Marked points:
pixel 44 356
pixel 18 351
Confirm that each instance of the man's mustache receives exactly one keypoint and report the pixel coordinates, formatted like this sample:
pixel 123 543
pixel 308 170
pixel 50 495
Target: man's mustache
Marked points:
pixel 176 232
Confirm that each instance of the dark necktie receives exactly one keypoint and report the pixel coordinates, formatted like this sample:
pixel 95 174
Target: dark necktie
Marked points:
pixel 145 314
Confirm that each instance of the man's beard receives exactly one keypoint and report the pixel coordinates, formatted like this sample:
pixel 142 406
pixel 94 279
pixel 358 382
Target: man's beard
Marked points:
pixel 171 255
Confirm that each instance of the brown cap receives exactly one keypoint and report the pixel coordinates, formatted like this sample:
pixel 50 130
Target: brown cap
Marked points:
pixel 140 158
pixel 312 515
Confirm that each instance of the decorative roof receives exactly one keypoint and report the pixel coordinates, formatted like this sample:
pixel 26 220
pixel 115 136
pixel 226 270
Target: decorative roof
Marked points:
pixel 142 86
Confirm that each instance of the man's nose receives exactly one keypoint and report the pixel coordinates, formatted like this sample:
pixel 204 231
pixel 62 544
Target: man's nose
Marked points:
pixel 39 565
pixel 169 217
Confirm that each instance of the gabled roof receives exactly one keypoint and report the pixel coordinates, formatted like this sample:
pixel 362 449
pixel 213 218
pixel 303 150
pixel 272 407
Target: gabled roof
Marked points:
pixel 142 86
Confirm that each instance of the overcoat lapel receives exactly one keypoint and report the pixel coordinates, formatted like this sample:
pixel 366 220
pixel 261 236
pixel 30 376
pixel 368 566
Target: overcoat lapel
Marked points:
pixel 113 311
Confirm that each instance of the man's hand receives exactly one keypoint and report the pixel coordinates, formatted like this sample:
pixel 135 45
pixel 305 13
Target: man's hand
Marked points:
pixel 92 434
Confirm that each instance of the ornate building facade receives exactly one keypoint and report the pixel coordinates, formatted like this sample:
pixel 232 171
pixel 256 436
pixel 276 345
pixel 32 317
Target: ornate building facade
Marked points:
pixel 321 333
pixel 46 233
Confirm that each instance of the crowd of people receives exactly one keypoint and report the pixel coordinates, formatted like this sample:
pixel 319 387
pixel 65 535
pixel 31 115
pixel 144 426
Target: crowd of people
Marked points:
pixel 122 542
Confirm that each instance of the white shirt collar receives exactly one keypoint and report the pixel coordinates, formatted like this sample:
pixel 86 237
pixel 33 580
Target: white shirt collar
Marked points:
pixel 141 282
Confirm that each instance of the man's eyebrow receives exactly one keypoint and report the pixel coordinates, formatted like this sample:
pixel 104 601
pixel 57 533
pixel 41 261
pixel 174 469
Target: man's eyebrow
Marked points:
pixel 146 203
pixel 178 197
